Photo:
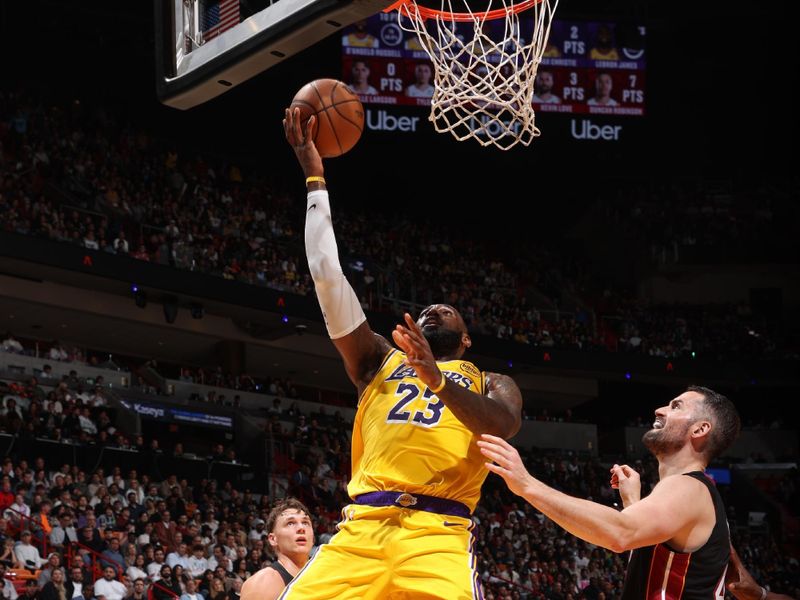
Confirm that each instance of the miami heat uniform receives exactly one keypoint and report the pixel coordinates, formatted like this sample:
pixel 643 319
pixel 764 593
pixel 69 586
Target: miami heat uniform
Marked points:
pixel 417 476
pixel 660 573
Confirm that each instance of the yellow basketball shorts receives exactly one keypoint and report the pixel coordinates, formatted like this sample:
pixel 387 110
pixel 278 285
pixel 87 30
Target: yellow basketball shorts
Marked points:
pixel 392 553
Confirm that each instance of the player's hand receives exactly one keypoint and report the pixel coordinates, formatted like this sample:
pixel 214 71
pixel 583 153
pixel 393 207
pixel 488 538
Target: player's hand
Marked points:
pixel 627 481
pixel 739 581
pixel 303 142
pixel 410 340
pixel 507 462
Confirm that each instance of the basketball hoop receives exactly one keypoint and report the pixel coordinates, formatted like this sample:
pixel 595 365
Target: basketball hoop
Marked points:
pixel 485 66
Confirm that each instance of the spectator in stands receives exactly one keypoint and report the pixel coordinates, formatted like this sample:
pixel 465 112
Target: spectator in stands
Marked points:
pixel 235 591
pixel 7 555
pixel 7 589
pixel 6 494
pixel 109 587
pixel 34 391
pixel 112 557
pixel 28 554
pixel 164 530
pixel 31 590
pixel 11 344
pixel 154 568
pixel 18 511
pixel 55 589
pixel 258 530
pixel 240 569
pixel 191 591
pixel 64 532
pixel 47 372
pixel 197 562
pixel 179 557
pixel 75 586
pixel 220 559
pixel 217 589
pixel 138 590
pixel 179 577
pixel 58 352
pixel 108 519
pixel 167 588
pixel 120 244
pixel 138 570
pixel 90 538
pixel 53 563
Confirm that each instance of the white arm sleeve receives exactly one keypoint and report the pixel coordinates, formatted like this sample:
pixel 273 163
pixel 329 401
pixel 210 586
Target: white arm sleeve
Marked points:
pixel 340 307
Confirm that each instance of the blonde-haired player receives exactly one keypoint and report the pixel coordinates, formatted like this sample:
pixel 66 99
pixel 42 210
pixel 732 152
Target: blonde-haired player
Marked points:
pixel 416 468
pixel 291 537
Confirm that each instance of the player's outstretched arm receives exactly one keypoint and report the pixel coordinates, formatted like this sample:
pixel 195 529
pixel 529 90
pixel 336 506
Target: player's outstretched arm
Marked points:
pixel 361 349
pixel 670 510
pixel 499 411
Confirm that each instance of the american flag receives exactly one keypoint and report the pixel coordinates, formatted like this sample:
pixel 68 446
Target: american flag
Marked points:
pixel 220 17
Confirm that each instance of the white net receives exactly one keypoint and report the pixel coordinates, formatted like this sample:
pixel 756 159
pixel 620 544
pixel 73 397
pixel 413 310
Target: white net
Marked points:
pixel 484 67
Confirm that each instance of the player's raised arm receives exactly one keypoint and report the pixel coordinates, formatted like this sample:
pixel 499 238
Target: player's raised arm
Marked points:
pixel 361 349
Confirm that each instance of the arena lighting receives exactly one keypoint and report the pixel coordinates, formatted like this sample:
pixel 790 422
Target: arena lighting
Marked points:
pixel 285 319
pixel 628 376
pixel 196 310
pixel 170 308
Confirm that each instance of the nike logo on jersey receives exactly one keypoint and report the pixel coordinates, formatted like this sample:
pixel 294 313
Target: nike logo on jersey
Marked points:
pixel 449 524
pixel 311 207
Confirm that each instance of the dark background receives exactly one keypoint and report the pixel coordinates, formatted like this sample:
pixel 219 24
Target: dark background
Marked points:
pixel 719 105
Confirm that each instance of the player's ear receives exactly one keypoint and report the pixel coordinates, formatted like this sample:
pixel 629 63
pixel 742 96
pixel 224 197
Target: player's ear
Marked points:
pixel 466 341
pixel 701 428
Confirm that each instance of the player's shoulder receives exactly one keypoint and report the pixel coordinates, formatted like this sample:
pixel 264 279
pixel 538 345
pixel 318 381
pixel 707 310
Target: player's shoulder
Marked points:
pixel 260 582
pixel 679 483
pixel 498 382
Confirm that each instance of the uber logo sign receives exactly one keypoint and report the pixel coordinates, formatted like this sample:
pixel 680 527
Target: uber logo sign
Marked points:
pixel 586 130
pixel 382 121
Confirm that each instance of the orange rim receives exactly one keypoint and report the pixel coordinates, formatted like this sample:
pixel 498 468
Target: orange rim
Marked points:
pixel 432 13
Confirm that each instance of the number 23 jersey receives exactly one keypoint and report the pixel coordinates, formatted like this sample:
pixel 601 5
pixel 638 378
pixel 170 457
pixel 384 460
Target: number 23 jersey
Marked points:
pixel 405 439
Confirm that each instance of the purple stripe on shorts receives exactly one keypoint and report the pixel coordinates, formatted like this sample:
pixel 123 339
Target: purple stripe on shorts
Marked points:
pixel 416 502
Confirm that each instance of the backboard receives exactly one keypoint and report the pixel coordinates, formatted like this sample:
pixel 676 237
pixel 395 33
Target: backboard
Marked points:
pixel 206 47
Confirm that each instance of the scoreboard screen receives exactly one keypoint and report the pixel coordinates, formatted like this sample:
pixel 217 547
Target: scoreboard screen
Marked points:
pixel 587 67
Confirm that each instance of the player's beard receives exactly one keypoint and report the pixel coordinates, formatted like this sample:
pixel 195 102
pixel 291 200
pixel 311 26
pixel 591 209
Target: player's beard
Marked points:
pixel 443 342
pixel 663 441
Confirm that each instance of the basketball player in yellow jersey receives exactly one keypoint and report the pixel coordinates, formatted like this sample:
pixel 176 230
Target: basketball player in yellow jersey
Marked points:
pixel 417 470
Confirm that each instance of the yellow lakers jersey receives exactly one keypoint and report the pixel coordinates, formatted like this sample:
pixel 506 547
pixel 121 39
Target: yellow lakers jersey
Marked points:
pixel 405 439
pixel 598 54
pixel 367 41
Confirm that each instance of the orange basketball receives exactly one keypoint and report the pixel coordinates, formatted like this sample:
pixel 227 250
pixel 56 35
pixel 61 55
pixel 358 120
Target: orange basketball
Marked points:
pixel 340 115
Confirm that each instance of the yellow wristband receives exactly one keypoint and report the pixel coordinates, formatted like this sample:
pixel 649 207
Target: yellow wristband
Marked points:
pixel 441 385
pixel 315 178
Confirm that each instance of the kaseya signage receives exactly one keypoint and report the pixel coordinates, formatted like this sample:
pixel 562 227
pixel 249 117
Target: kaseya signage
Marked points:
pixel 167 413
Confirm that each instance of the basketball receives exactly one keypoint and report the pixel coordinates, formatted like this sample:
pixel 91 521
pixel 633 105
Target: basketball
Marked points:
pixel 340 115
